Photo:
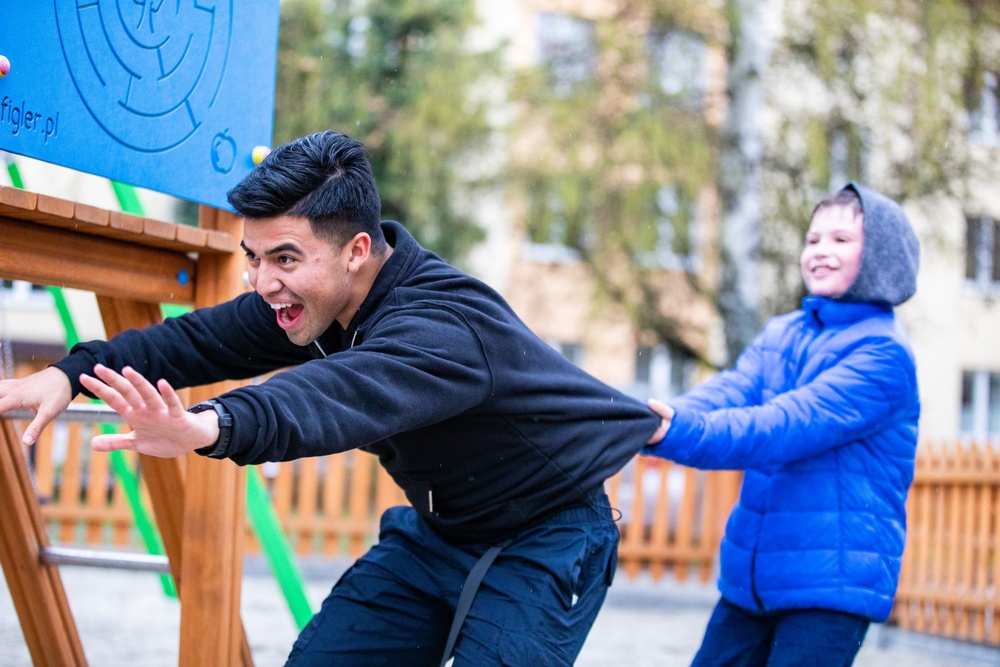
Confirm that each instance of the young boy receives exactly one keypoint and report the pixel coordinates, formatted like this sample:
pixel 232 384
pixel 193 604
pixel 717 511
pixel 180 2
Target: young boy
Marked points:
pixel 821 412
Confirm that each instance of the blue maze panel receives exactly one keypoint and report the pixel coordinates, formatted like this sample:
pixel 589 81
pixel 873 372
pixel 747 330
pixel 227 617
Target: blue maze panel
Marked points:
pixel 170 95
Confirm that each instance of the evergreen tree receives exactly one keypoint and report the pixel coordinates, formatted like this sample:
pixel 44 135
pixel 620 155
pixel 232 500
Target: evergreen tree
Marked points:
pixel 398 75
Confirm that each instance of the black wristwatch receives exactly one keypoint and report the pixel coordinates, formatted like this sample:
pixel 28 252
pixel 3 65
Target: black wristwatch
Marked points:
pixel 217 450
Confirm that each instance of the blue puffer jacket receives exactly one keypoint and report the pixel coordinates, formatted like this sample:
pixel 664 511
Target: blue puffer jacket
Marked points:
pixel 821 412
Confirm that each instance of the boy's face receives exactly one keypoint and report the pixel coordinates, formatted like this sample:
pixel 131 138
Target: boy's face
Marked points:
pixel 832 254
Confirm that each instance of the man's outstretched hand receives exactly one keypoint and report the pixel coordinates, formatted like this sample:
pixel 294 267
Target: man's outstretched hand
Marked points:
pixel 160 424
pixel 666 413
pixel 47 393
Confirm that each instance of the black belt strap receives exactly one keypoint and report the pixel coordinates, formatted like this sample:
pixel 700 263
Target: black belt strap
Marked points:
pixel 465 598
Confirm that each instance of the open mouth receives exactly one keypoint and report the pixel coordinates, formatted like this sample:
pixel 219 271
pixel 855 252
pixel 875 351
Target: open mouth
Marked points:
pixel 288 313
pixel 822 271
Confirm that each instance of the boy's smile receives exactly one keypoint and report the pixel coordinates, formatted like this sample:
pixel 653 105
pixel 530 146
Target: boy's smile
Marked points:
pixel 832 253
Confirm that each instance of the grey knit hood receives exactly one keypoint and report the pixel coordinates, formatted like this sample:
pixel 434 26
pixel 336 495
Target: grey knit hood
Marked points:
pixel 890 255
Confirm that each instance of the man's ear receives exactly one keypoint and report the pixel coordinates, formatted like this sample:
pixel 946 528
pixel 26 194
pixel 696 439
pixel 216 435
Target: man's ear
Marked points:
pixel 359 249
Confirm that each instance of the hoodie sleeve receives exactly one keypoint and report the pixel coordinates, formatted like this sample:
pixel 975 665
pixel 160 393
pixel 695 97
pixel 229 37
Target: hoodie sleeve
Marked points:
pixel 865 391
pixel 235 340
pixel 416 367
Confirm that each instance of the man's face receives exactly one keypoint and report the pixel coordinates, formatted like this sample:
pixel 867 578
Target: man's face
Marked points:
pixel 305 279
pixel 832 254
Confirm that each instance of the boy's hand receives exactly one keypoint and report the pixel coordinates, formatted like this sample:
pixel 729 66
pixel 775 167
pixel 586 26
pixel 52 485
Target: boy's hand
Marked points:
pixel 667 413
pixel 160 424
pixel 47 393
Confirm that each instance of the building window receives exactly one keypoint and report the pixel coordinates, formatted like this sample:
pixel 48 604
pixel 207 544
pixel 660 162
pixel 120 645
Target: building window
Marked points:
pixel 572 351
pixel 662 371
pixel 982 252
pixel 556 224
pixel 849 148
pixel 567 47
pixel 19 292
pixel 984 114
pixel 555 227
pixel 980 414
pixel 677 65
pixel 670 240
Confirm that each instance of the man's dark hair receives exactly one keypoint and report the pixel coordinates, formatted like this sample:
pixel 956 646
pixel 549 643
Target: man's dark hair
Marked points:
pixel 324 177
pixel 845 197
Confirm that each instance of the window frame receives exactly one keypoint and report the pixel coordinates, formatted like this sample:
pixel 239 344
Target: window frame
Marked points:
pixel 24 295
pixel 693 93
pixel 984 119
pixel 979 405
pixel 982 254
pixel 664 255
pixel 663 371
pixel 566 72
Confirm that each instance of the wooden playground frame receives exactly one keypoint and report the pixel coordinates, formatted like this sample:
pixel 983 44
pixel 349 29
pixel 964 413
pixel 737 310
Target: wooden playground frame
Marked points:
pixel 133 264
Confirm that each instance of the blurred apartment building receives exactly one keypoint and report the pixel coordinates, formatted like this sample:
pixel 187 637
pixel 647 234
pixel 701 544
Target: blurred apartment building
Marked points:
pixel 954 320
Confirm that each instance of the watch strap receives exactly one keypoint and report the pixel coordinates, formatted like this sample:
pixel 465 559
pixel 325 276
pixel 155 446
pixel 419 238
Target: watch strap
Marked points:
pixel 219 448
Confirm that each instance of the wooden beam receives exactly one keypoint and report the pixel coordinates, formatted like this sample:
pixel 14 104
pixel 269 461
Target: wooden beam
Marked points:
pixel 50 256
pixel 90 220
pixel 215 500
pixel 36 589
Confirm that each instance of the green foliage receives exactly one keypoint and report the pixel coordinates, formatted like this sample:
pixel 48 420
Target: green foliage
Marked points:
pixel 895 81
pixel 608 143
pixel 399 76
pixel 928 59
pixel 611 164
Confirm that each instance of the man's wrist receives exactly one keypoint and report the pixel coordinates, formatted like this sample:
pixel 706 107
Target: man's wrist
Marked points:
pixel 218 449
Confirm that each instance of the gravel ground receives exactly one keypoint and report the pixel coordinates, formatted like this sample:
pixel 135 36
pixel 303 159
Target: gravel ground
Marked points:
pixel 124 618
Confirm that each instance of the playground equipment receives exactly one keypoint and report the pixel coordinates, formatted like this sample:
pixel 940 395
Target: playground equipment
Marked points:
pixel 173 97
pixel 132 264
pixel 263 518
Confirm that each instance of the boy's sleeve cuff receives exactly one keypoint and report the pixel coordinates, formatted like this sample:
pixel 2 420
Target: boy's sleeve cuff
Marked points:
pixel 686 428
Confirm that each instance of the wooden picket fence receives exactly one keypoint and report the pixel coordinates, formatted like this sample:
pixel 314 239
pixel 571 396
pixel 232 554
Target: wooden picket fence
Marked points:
pixel 671 519
pixel 951 567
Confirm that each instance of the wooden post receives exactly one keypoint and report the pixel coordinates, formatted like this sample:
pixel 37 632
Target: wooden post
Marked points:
pixel 36 589
pixel 214 506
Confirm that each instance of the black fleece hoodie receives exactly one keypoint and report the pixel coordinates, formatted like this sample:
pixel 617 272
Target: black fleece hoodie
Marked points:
pixel 485 427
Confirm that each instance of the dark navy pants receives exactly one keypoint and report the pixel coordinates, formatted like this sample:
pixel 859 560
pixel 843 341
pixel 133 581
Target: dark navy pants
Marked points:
pixel 816 637
pixel 535 605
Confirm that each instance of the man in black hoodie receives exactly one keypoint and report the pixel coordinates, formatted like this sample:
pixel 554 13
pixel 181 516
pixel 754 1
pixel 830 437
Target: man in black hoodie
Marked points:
pixel 501 445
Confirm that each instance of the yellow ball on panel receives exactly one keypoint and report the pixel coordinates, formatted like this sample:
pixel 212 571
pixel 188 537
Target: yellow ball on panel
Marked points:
pixel 259 153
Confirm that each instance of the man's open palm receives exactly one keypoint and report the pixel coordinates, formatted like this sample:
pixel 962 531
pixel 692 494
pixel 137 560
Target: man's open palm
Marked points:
pixel 160 424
